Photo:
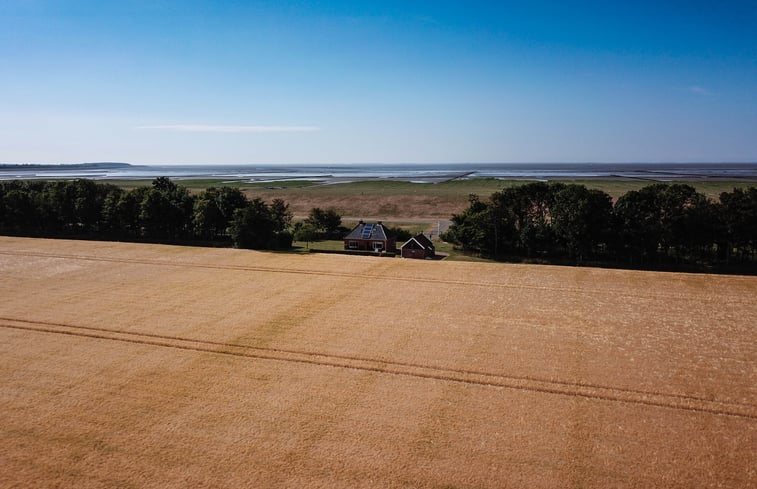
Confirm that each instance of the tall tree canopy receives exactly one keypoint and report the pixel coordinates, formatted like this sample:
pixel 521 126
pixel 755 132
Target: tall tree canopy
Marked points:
pixel 326 222
pixel 163 211
pixel 657 224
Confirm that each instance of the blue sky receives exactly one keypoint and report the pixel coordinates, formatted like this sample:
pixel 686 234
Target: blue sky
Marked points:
pixel 357 81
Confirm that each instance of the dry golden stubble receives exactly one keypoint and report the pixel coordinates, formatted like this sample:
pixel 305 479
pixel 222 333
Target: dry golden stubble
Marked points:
pixel 154 366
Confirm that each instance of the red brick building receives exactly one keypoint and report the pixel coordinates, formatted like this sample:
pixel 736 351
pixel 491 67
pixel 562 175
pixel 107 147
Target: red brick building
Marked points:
pixel 368 236
pixel 419 246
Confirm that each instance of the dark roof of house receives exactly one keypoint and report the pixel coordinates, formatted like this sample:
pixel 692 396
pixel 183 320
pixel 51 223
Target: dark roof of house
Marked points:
pixel 369 230
pixel 423 241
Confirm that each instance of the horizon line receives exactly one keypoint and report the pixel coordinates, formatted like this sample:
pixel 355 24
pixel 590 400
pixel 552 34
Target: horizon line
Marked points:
pixel 717 162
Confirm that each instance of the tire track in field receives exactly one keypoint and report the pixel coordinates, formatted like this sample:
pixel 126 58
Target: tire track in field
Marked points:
pixel 571 389
pixel 347 357
pixel 327 273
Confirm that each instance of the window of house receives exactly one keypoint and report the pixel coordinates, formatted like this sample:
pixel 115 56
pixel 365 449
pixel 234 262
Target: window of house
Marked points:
pixel 378 245
pixel 353 245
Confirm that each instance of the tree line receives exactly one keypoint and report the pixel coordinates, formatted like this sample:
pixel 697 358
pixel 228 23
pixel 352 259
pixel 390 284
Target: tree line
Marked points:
pixel 658 226
pixel 161 212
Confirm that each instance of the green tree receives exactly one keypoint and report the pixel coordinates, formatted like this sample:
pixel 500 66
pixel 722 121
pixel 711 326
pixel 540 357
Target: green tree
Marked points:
pixel 282 216
pixel 473 228
pixel 110 223
pixel 19 208
pixel 581 219
pixel 88 202
pixel 738 211
pixel 253 226
pixel 637 224
pixel 127 215
pixel 401 234
pixel 701 228
pixel 307 233
pixel 531 205
pixel 685 219
pixel 665 221
pixel 166 210
pixel 327 221
pixel 213 210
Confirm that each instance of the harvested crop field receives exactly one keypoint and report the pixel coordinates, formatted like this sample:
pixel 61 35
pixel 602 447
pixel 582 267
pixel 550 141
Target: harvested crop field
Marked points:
pixel 131 365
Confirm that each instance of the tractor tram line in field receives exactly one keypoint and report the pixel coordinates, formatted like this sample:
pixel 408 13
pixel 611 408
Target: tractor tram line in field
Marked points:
pixel 311 354
pixel 328 273
pixel 555 387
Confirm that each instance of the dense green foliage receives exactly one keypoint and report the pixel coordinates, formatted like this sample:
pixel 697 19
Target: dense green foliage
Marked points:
pixel 162 212
pixel 657 225
pixel 327 223
pixel 400 234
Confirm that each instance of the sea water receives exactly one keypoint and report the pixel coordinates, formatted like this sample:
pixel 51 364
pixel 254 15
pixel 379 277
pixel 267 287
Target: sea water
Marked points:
pixel 334 173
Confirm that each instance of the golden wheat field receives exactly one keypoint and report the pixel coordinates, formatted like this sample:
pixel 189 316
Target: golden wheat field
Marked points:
pixel 132 365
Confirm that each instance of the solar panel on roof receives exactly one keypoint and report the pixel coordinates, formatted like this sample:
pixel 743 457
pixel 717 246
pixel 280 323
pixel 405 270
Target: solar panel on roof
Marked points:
pixel 367 230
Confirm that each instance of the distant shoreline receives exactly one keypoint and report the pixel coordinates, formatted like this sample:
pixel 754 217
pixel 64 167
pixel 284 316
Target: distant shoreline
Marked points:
pixel 416 172
pixel 63 166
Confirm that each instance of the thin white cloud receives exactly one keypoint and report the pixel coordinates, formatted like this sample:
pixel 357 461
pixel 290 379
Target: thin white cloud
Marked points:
pixel 700 90
pixel 227 129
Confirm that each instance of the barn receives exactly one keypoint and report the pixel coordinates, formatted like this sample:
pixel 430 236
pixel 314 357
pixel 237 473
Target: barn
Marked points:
pixel 369 236
pixel 419 246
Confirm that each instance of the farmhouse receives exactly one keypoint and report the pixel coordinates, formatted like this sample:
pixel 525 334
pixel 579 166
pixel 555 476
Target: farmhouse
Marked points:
pixel 419 246
pixel 369 236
